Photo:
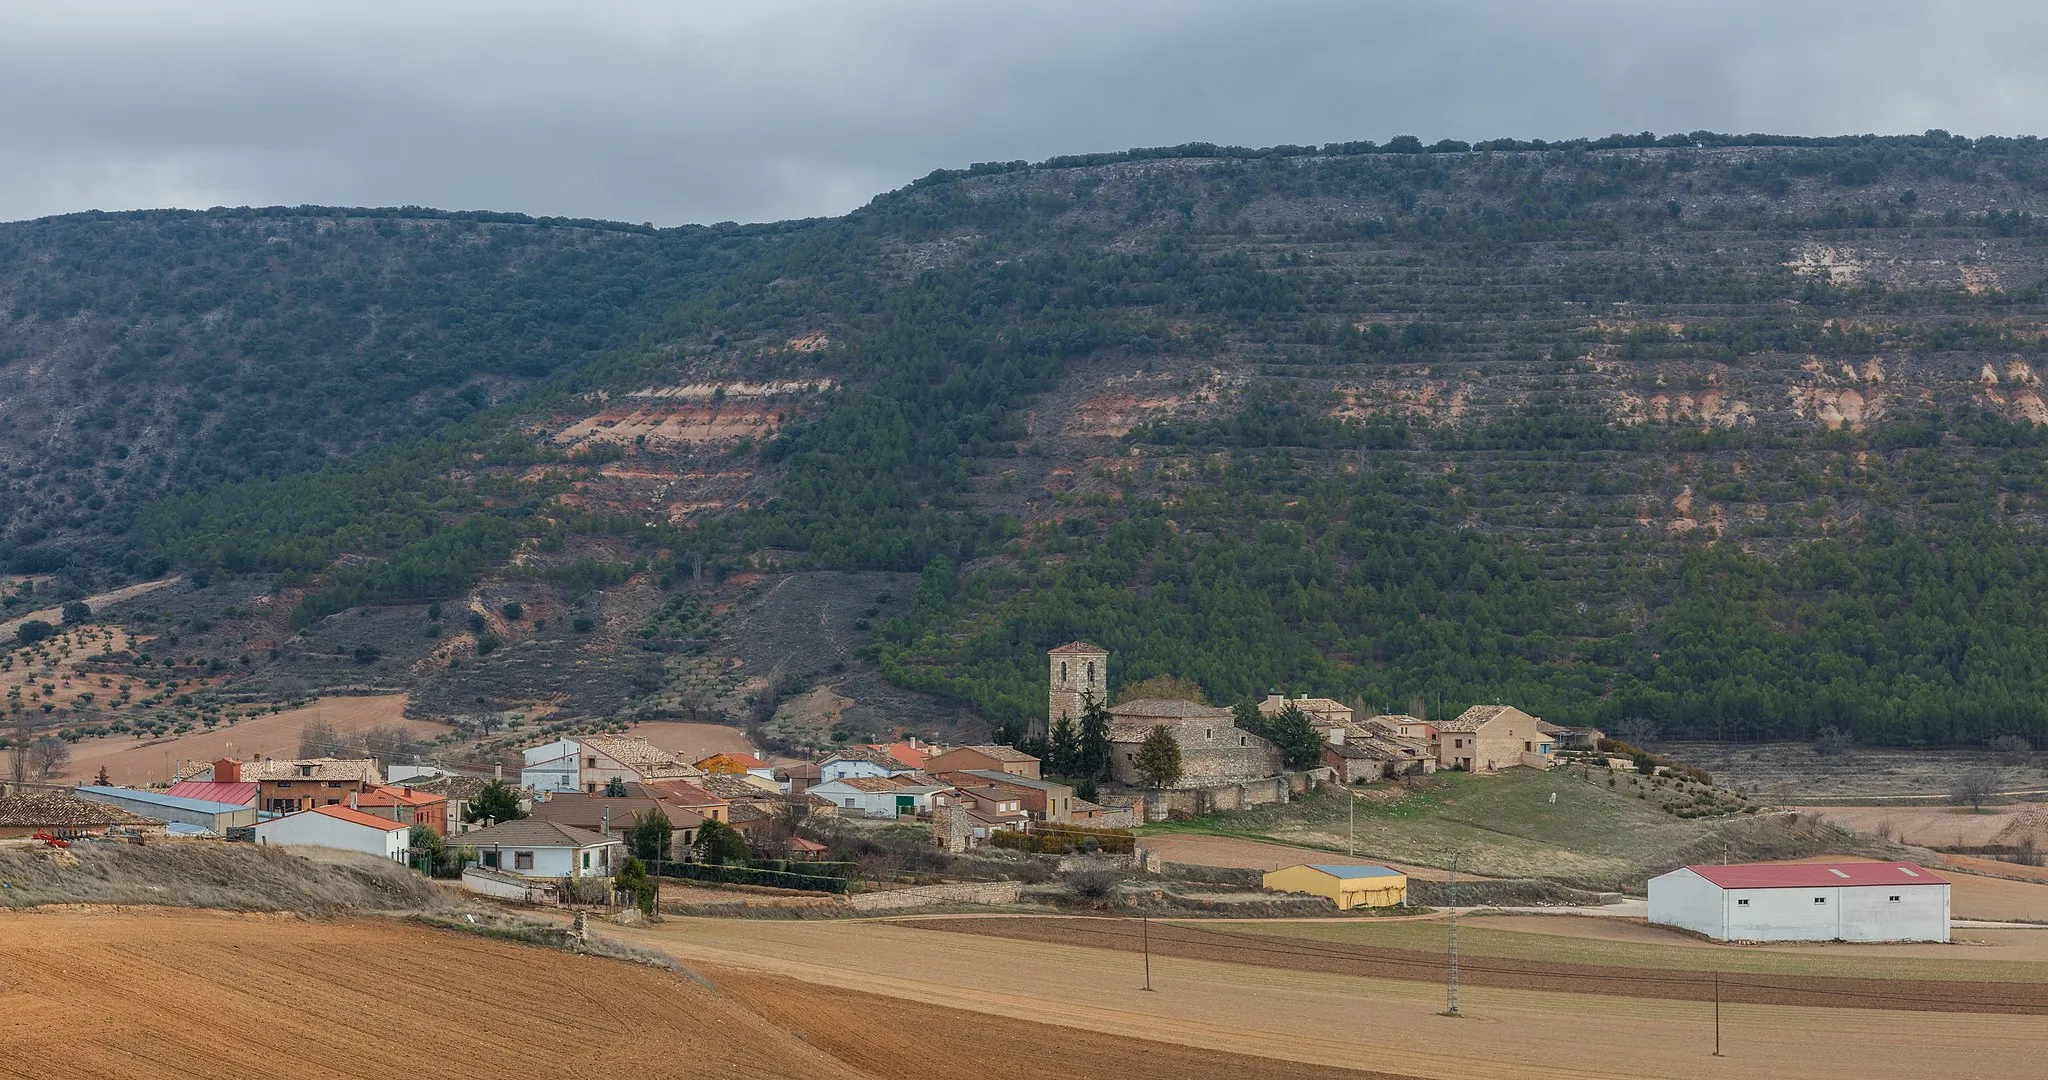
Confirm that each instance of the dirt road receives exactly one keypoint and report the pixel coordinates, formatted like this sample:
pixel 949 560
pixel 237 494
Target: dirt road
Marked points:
pixel 130 761
pixel 55 615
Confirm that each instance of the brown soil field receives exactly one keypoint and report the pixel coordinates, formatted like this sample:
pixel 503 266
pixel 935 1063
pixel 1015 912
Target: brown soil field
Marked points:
pixel 133 762
pixel 1790 773
pixel 1336 958
pixel 1325 1021
pixel 1972 864
pixel 1975 896
pixel 150 994
pixel 1933 826
pixel 692 742
pixel 1196 850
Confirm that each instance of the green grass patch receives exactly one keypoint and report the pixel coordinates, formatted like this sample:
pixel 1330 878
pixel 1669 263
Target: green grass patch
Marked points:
pixel 1475 939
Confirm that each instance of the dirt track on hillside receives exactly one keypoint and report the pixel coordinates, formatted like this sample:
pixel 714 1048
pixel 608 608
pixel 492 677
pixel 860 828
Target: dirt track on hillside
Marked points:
pixel 1293 954
pixel 1198 850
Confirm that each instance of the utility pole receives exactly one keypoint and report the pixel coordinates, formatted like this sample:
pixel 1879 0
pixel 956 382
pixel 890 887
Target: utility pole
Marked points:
pixel 1351 843
pixel 1451 898
pixel 1145 934
pixel 1717 1014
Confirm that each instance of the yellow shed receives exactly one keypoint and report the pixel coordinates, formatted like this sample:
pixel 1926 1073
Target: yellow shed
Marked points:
pixel 1346 886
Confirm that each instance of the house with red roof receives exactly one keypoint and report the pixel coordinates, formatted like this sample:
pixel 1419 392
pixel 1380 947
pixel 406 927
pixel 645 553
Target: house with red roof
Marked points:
pixel 1847 901
pixel 343 828
pixel 403 804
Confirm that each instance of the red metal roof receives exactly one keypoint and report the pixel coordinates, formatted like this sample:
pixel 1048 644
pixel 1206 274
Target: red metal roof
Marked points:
pixel 1817 875
pixel 242 794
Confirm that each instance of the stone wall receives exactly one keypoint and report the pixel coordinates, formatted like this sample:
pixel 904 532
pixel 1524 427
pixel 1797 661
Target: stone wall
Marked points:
pixel 1212 753
pixel 964 892
pixel 1191 801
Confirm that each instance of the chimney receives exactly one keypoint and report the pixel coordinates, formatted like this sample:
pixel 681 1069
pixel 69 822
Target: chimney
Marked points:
pixel 498 772
pixel 227 771
pixel 352 801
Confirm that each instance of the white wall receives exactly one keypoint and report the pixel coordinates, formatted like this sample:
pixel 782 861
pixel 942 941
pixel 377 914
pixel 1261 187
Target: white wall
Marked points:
pixel 318 830
pixel 552 767
pixel 550 862
pixel 1684 899
pixel 840 770
pixel 1853 913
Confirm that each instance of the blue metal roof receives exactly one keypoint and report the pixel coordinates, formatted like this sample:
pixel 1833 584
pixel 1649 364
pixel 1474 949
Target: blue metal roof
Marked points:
pixel 158 798
pixel 1354 871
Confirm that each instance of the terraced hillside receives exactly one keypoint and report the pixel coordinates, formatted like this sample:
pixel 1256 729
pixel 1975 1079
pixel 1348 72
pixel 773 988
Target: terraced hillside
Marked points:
pixel 1739 436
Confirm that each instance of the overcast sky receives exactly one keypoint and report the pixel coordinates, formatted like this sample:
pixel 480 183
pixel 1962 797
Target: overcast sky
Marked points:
pixel 675 111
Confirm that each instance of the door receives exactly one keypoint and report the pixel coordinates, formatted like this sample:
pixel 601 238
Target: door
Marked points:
pixel 906 804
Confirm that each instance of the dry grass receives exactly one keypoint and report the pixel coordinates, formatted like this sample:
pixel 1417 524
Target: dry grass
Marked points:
pixel 211 874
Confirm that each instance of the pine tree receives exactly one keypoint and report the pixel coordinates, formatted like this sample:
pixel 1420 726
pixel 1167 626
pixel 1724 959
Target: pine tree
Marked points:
pixel 1065 751
pixel 1294 733
pixel 1158 758
pixel 1093 753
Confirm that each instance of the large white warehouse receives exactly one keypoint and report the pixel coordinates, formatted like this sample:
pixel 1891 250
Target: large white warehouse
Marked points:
pixel 1861 901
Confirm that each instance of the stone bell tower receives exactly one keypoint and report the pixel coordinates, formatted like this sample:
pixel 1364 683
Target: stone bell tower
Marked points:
pixel 1077 668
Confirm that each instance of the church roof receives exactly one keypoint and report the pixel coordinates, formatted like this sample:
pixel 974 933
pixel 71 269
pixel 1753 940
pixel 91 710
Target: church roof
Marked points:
pixel 1080 648
pixel 1168 708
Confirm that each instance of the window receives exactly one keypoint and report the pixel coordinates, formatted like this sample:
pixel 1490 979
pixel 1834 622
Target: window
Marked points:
pixel 1820 899
pixel 1208 733
pixel 586 860
pixel 334 802
pixel 1742 903
pixel 490 860
pixel 1091 672
pixel 1528 747
pixel 851 803
pixel 334 783
pixel 1241 741
pixel 590 763
pixel 522 860
pixel 284 783
pixel 1063 671
pixel 1892 899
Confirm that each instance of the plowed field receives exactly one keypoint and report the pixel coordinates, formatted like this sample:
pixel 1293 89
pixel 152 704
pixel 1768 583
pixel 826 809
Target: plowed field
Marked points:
pixel 1338 958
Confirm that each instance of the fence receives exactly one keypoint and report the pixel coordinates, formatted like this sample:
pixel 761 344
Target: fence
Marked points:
pixel 747 875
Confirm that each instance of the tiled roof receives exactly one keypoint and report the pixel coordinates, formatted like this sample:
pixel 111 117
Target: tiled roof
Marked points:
pixel 583 811
pixel 455 787
pixel 744 761
pixel 637 754
pixel 731 786
pixel 353 817
pixel 1477 716
pixel 804 771
pixel 1352 750
pixel 868 754
pixel 1008 779
pixel 1817 875
pixel 1000 753
pixel 36 808
pixel 1080 648
pixel 242 794
pixel 747 814
pixel 683 793
pixel 904 752
pixel 532 832
pixel 1163 708
pixel 361 770
pixel 394 795
pixel 876 784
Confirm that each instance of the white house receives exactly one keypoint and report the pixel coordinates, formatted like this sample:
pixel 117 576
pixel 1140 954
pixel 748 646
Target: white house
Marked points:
pixel 587 763
pixel 1861 901
pixel 861 762
pixel 873 796
pixel 342 827
pixel 533 848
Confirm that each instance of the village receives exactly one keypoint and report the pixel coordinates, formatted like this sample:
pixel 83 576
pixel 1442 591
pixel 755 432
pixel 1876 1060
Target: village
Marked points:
pixel 612 822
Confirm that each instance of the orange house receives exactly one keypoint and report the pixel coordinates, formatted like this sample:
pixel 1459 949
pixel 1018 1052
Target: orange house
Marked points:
pixel 406 806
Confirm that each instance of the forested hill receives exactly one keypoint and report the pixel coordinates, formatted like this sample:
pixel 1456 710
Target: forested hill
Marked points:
pixel 150 353
pixel 1741 436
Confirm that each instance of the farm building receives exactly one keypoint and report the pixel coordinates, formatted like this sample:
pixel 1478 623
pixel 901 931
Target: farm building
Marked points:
pixel 1860 901
pixel 339 827
pixel 172 809
pixel 1346 886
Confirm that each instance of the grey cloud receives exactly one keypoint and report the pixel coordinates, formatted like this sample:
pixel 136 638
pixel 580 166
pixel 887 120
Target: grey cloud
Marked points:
pixel 675 112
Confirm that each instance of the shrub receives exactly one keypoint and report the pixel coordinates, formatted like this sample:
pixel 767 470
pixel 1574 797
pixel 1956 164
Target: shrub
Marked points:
pixel 747 875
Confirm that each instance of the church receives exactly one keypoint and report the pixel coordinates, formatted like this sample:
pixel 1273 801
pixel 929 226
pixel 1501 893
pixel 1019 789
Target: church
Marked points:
pixel 1214 751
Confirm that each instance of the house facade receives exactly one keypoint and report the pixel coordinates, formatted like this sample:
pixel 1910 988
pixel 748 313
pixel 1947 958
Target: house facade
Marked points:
pixel 1043 800
pixel 545 849
pixel 340 827
pixel 285 785
pixel 589 763
pixel 1489 738
pixel 878 797
pixel 861 761
pixel 1003 759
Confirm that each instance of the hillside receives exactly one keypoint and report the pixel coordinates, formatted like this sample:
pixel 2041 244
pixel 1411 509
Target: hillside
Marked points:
pixel 1740 436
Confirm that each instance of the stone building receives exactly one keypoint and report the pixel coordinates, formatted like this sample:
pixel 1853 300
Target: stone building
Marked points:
pixel 1213 749
pixel 1078 670
pixel 1488 738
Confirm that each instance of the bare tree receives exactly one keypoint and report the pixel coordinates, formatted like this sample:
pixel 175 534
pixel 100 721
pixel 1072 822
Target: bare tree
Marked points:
pixel 1637 731
pixel 1832 742
pixel 47 755
pixel 320 738
pixel 1973 789
pixel 2014 749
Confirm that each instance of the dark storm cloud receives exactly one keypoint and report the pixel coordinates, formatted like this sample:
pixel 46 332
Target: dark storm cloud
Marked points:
pixel 675 112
